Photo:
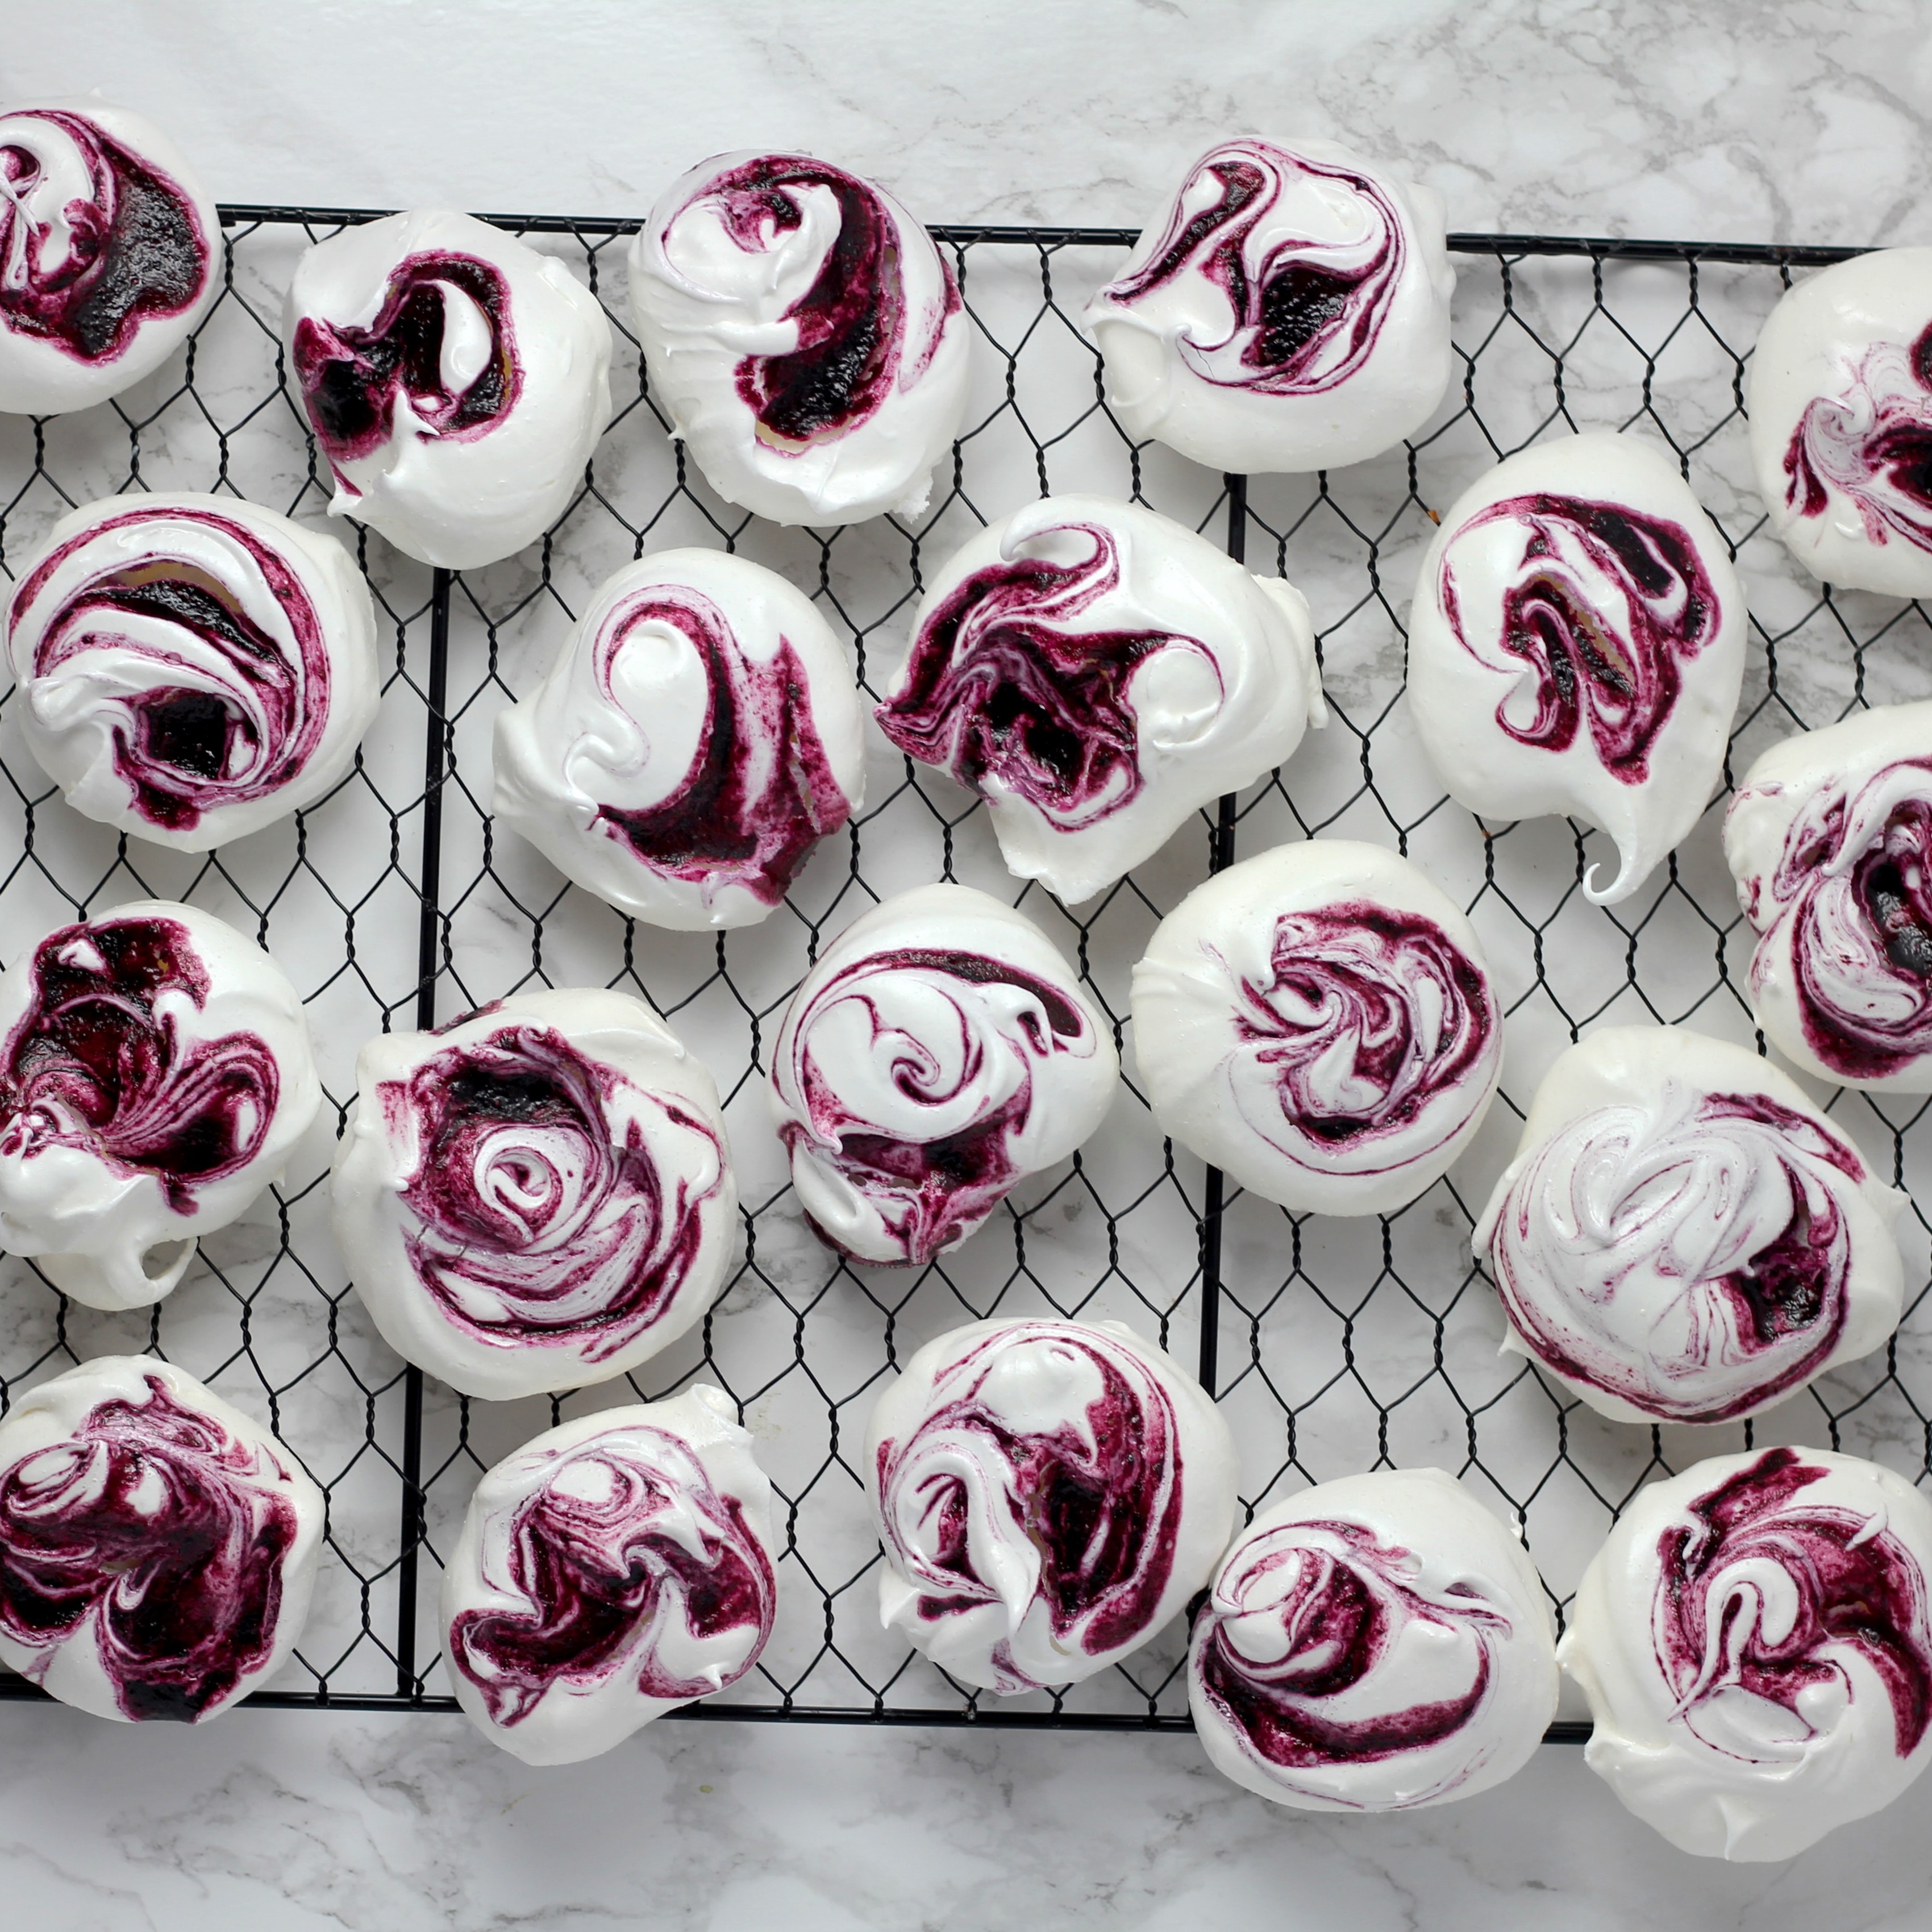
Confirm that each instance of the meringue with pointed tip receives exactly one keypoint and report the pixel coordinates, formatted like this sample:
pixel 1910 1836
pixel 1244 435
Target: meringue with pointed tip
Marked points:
pixel 1577 646
pixel 1682 1236
pixel 609 1571
pixel 1097 674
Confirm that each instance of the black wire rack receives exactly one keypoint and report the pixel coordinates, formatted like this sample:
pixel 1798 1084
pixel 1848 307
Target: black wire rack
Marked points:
pixel 1333 1345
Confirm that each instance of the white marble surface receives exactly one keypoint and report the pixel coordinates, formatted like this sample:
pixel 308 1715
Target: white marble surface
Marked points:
pixel 1793 121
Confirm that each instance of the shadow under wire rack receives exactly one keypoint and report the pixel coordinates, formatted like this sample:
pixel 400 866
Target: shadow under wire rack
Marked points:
pixel 1333 1345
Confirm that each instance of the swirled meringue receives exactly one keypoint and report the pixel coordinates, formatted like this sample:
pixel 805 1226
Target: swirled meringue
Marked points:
pixel 158 1548
pixel 1754 1642
pixel 1577 646
pixel 1318 1022
pixel 609 1571
pixel 1839 394
pixel 804 335
pixel 1830 841
pixel 1097 673
pixel 940 1051
pixel 1288 310
pixel 535 1196
pixel 1375 1644
pixel 110 253
pixel 193 668
pixel 1047 1495
pixel 697 735
pixel 155 1074
pixel 457 380
pixel 1682 1236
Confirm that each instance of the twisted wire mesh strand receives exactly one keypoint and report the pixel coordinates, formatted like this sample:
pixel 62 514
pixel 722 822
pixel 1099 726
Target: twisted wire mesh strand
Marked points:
pixel 1334 1345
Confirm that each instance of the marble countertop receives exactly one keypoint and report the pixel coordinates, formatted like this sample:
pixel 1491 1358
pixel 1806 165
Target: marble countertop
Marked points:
pixel 1735 120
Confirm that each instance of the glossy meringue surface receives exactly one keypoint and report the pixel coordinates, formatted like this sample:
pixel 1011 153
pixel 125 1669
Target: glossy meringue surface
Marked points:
pixel 940 1051
pixel 537 1196
pixel 457 381
pixel 697 735
pixel 110 253
pixel 1829 837
pixel 156 1072
pixel 1755 1641
pixel 804 335
pixel 193 668
pixel 1377 1643
pixel 1047 1494
pixel 1577 646
pixel 611 1570
pixel 1096 674
pixel 1287 309
pixel 1682 1236
pixel 158 1548
pixel 1317 1021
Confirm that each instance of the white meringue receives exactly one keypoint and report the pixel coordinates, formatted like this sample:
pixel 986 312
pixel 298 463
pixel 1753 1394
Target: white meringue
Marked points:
pixel 193 668
pixel 609 1571
pixel 155 1074
pixel 1682 1236
pixel 1378 1643
pixel 1318 1022
pixel 1097 673
pixel 698 734
pixel 456 380
pixel 1754 1641
pixel 1839 394
pixel 110 253
pixel 1288 309
pixel 940 1051
pixel 1047 1494
pixel 535 1196
pixel 1577 646
pixel 804 335
pixel 1830 840
pixel 158 1548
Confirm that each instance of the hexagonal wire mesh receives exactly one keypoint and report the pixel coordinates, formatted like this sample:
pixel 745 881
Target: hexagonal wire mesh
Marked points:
pixel 1334 1345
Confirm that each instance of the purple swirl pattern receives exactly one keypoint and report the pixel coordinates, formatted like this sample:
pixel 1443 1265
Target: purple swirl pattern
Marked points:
pixel 1002 686
pixel 1691 1260
pixel 1606 608
pixel 98 1064
pixel 544 1216
pixel 1307 313
pixel 1762 1593
pixel 626 1555
pixel 94 242
pixel 1873 443
pixel 168 1533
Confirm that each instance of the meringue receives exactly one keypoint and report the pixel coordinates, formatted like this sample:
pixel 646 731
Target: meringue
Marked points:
pixel 1097 674
pixel 804 335
pixel 1577 646
pixel 609 1571
pixel 155 1075
pixel 457 381
pixel 1317 1021
pixel 1682 1236
pixel 1047 1494
pixel 157 1547
pixel 1288 310
pixel 535 1196
pixel 1830 840
pixel 110 253
pixel 697 735
pixel 1375 1644
pixel 1753 1641
pixel 940 1051
pixel 1839 393
pixel 193 668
